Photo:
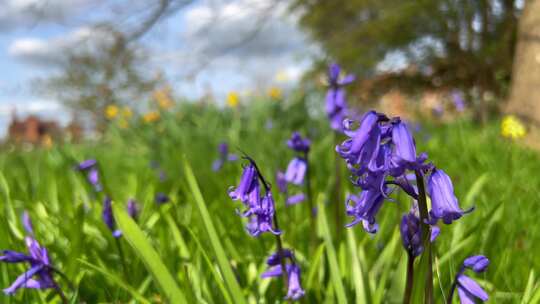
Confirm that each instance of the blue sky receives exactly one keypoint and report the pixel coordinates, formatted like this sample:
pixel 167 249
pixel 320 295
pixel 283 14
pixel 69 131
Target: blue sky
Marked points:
pixel 32 46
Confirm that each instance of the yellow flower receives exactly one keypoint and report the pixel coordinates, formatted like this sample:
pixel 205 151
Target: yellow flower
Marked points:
pixel 275 93
pixel 151 116
pixel 233 99
pixel 126 112
pixel 512 127
pixel 111 111
pixel 163 97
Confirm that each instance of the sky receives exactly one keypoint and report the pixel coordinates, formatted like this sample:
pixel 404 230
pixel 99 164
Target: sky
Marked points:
pixel 213 46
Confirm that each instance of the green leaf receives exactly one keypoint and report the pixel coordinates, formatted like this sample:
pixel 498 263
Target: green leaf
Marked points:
pixel 335 274
pixel 222 260
pixel 120 282
pixel 136 238
pixel 358 274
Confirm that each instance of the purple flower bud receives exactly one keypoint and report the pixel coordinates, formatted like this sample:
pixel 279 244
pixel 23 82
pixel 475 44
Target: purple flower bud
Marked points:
pixel 469 291
pixel 296 170
pixel 108 217
pixel 133 208
pixel 161 198
pixel 411 233
pixel 27 223
pixel 336 104
pixel 281 182
pixel 10 256
pixel 295 199
pixel 478 263
pixel 275 258
pixel 299 144
pixel 444 204
pixel 86 164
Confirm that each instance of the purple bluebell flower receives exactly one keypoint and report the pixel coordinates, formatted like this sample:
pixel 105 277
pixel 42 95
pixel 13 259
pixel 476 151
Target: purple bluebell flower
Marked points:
pixel 444 204
pixel 161 198
pixel 247 181
pixel 261 217
pixel 224 156
pixel 459 101
pixel 133 208
pixel 299 144
pixel 27 223
pixel 40 274
pixel 281 182
pixel 411 233
pixel 90 167
pixel 294 290
pixel 478 263
pixel 468 290
pixel 296 171
pixel 336 103
pixel 364 208
pixel 108 218
pixel 295 199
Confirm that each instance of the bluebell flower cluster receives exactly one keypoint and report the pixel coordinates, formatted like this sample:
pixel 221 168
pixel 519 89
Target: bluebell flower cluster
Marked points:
pixel 224 156
pixel 336 101
pixel 90 168
pixel 468 290
pixel 296 169
pixel 380 153
pixel 260 209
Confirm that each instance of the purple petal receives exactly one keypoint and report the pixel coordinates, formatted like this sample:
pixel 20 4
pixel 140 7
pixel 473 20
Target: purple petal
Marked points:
pixel 27 223
pixel 295 199
pixel 22 279
pixel 471 288
pixel 478 263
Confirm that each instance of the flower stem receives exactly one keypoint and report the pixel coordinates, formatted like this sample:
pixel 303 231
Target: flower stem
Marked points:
pixel 425 229
pixel 122 258
pixel 410 279
pixel 309 197
pixel 451 294
pixel 59 291
pixel 279 245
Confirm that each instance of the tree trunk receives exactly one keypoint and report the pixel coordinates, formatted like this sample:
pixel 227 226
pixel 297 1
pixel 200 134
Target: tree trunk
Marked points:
pixel 525 89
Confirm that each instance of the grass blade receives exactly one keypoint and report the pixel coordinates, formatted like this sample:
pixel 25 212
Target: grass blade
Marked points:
pixel 222 260
pixel 136 238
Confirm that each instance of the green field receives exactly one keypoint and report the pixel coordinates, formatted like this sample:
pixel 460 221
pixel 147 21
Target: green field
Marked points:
pixel 195 247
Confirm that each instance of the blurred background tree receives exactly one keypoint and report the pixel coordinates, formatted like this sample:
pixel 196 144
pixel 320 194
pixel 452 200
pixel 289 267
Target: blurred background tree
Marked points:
pixel 466 44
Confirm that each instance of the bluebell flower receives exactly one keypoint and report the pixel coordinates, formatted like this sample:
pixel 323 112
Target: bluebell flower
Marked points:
pixel 336 103
pixel 458 100
pixel 261 217
pixel 249 177
pixel 281 182
pixel 411 233
pixel 90 167
pixel 161 198
pixel 295 199
pixel 27 223
pixel 294 288
pixel 108 218
pixel 224 156
pixel 133 208
pixel 444 204
pixel 299 144
pixel 296 171
pixel 364 208
pixel 468 290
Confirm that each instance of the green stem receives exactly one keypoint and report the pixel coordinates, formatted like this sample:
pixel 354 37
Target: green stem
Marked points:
pixel 425 229
pixel 122 259
pixel 337 191
pixel 410 279
pixel 279 246
pixel 309 198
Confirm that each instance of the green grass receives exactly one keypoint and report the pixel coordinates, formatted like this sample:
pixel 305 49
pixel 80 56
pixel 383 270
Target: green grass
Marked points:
pixel 195 248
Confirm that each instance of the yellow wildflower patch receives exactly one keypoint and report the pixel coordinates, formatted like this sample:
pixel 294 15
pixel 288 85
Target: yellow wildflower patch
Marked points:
pixel 512 127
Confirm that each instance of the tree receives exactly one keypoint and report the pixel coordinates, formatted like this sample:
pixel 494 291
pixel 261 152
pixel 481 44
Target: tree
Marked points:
pixel 106 72
pixel 464 43
pixel 524 94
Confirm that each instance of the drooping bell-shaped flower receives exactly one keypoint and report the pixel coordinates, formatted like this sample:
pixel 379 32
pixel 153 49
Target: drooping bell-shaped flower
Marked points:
pixel 108 217
pixel 336 103
pixel 468 290
pixel 281 182
pixel 249 176
pixel 296 171
pixel 364 208
pixel 90 167
pixel 262 216
pixel 444 204
pixel 161 198
pixel 133 208
pixel 294 288
pixel 299 144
